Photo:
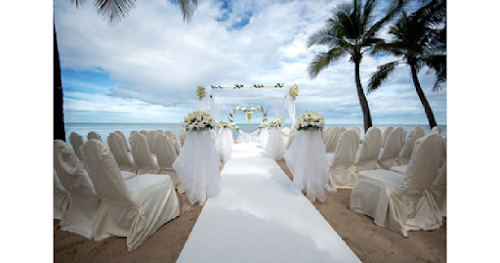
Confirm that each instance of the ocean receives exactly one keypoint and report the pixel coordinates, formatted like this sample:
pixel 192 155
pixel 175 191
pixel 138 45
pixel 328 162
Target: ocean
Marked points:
pixel 104 129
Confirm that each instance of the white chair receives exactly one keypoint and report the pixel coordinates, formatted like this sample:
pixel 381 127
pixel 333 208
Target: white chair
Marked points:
pixel 134 208
pixel 124 139
pixel 366 159
pixel 436 129
pixel 343 172
pixel 120 153
pixel 61 198
pixel 393 146
pixel 150 138
pixel 332 138
pixel 407 149
pixel 402 202
pixel 357 130
pixel 76 141
pixel 172 136
pixel 438 190
pixel 182 136
pixel 84 204
pixel 166 155
pixel 387 131
pixel 143 158
pixel 94 135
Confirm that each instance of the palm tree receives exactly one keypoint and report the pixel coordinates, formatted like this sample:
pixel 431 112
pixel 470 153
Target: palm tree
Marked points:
pixel 350 31
pixel 421 40
pixel 113 11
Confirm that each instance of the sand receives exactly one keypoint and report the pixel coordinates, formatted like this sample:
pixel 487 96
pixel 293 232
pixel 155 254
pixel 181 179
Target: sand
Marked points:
pixel 369 242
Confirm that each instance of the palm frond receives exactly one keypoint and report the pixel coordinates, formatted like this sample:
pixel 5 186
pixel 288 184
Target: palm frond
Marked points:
pixel 436 64
pixel 323 36
pixel 395 6
pixel 381 75
pixel 322 61
pixel 114 10
pixel 188 7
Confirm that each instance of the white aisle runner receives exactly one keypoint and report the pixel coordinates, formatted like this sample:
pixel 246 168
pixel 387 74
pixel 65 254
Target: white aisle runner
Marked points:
pixel 257 218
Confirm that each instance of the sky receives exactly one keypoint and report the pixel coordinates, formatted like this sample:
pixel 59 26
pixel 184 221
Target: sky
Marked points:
pixel 145 69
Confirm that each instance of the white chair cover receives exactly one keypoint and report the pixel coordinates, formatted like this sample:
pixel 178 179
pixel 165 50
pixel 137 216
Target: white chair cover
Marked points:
pixel 357 130
pixel 134 208
pixel 407 149
pixel 84 204
pixel 120 153
pixel 387 131
pixel 342 172
pixel 436 129
pixel 332 138
pixel 393 146
pixel 142 155
pixel 403 202
pixel 198 167
pixel 124 139
pixel 94 135
pixel 150 137
pixel 76 141
pixel 61 198
pixel 264 136
pixel 182 137
pixel 438 190
pixel 177 146
pixel 400 168
pixel 367 157
pixel 166 154
pixel 275 144
pixel 224 144
pixel 306 159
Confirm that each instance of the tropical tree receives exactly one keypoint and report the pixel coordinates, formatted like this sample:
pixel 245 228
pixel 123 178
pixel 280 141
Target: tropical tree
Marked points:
pixel 420 39
pixel 112 11
pixel 351 31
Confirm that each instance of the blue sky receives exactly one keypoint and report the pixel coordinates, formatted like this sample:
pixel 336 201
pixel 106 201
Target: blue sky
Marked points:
pixel 147 67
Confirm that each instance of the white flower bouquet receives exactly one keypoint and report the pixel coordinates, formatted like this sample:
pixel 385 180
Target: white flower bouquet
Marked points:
pixel 201 92
pixel 294 91
pixel 224 124
pixel 198 120
pixel 310 120
pixel 275 123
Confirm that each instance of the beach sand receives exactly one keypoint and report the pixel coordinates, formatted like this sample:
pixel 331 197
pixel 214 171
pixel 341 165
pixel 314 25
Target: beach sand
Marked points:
pixel 371 243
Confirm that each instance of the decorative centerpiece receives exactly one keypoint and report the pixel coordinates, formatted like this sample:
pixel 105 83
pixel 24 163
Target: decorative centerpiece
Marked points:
pixel 294 91
pixel 310 121
pixel 224 124
pixel 275 123
pixel 201 92
pixel 248 114
pixel 198 120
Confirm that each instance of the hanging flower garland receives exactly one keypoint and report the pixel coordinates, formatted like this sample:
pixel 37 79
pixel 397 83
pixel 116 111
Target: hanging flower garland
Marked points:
pixel 201 92
pixel 294 91
pixel 249 114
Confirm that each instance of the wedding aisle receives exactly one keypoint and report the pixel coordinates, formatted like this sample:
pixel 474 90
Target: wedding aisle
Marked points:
pixel 257 218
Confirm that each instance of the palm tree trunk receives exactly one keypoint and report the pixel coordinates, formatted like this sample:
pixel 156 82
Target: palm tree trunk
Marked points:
pixel 367 118
pixel 421 96
pixel 59 132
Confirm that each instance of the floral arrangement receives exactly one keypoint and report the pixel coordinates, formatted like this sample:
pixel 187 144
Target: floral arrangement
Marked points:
pixel 201 92
pixel 294 91
pixel 248 112
pixel 310 120
pixel 275 123
pixel 263 125
pixel 225 124
pixel 198 120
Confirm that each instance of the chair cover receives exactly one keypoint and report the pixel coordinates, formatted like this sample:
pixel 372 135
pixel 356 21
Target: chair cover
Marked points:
pixel 407 149
pixel 150 138
pixel 438 190
pixel 166 155
pixel 264 136
pixel 403 202
pixel 198 167
pixel 275 144
pixel 393 146
pixel 332 138
pixel 400 168
pixel 342 172
pixel 387 131
pixel 367 157
pixel 172 136
pixel 182 137
pixel 224 144
pixel 124 139
pixel 94 135
pixel 142 156
pixel 357 130
pixel 61 198
pixel 76 141
pixel 143 132
pixel 306 159
pixel 84 204
pixel 134 208
pixel 120 153
pixel 436 129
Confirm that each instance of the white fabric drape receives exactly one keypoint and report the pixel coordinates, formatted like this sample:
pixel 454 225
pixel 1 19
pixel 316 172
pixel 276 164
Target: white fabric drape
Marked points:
pixel 306 159
pixel 407 149
pixel 76 141
pixel 142 155
pixel 290 108
pixel 367 157
pixel 403 202
pixel 134 208
pixel 264 136
pixel 393 145
pixel 61 198
pixel 342 172
pixel 291 136
pixel 84 204
pixel 198 167
pixel 120 153
pixel 215 106
pixel 275 144
pixel 224 144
